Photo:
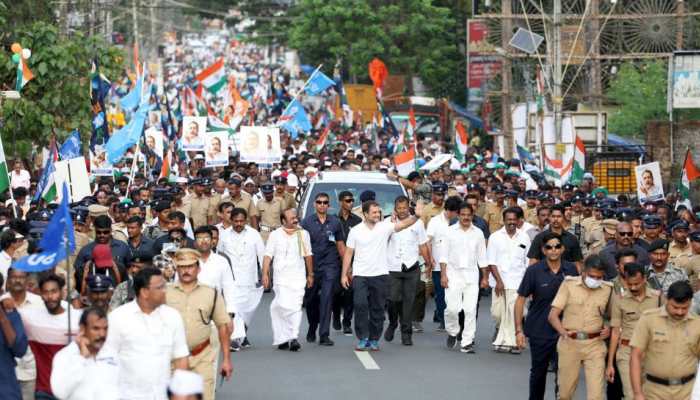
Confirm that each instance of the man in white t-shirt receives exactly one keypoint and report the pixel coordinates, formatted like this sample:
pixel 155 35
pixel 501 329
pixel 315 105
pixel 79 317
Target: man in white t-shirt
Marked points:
pixel 369 274
pixel 290 248
pixel 20 177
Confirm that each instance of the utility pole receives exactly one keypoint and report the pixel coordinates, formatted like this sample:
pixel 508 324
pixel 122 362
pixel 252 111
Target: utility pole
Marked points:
pixel 506 78
pixel 557 100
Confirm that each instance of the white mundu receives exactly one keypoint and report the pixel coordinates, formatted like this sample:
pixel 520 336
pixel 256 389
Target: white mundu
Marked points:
pixel 288 252
pixel 246 250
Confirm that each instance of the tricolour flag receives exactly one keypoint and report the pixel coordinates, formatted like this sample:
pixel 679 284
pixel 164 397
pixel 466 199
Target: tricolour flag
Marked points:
pixel 461 142
pixel 24 74
pixel 689 173
pixel 405 162
pixel 46 188
pixel 579 165
pixel 322 139
pixel 213 77
pixel 4 177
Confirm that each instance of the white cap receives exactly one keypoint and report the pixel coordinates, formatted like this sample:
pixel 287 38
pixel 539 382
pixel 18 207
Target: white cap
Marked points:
pixel 181 179
pixel 313 161
pixel 309 170
pixel 292 180
pixel 249 181
pixel 186 383
pixel 589 175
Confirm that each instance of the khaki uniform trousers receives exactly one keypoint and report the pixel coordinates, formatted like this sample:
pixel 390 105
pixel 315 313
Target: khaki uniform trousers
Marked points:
pixel 622 357
pixel 654 391
pixel 592 354
pixel 202 364
pixel 502 311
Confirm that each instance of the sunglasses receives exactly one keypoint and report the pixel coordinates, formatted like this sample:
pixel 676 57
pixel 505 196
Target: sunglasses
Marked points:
pixel 325 203
pixel 628 234
pixel 349 201
pixel 550 247
pixel 100 232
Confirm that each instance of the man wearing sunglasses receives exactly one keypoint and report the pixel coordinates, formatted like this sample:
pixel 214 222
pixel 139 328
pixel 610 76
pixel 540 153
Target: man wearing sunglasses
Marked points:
pixel 327 246
pixel 572 248
pixel 624 239
pixel 343 298
pixel 541 283
pixel 103 235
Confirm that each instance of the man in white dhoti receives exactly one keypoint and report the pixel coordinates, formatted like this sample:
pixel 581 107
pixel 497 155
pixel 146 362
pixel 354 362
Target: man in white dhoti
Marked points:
pixel 244 246
pixel 290 248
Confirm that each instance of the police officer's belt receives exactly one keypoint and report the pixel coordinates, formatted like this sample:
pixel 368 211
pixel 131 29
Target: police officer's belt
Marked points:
pixel 671 382
pixel 199 348
pixel 583 335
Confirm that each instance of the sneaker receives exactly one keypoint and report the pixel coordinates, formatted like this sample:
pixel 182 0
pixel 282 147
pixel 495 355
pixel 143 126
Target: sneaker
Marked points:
pixel 362 345
pixel 235 345
pixel 441 327
pixel 374 345
pixel 451 341
pixel 246 344
pixel 294 345
pixel 347 330
pixel 389 333
pixel 417 327
pixel 468 348
pixel 283 346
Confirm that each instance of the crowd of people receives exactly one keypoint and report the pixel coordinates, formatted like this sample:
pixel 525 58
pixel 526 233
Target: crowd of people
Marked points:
pixel 168 272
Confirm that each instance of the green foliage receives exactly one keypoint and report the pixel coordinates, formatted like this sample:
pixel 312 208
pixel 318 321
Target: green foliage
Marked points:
pixel 58 98
pixel 413 37
pixel 269 18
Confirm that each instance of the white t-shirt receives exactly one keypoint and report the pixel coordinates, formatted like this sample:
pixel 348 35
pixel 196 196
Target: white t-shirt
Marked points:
pixel 370 248
pixel 23 179
pixel 403 246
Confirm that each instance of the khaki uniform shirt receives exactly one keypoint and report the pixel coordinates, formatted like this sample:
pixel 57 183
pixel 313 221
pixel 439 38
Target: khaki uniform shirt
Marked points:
pixel 680 257
pixel 287 199
pixel 626 310
pixel 185 208
pixel 245 202
pixel 670 347
pixel 269 212
pixel 119 232
pixel 429 211
pixel 596 247
pixel 692 268
pixel 494 216
pixel 195 308
pixel 584 309
pixel 531 215
pixel 202 208
pixel 593 229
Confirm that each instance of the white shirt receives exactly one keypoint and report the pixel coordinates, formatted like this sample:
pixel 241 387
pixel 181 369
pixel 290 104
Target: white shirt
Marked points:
pixel 5 263
pixel 74 377
pixel 26 366
pixel 370 248
pixel 464 250
pixel 509 255
pixel 23 179
pixel 216 272
pixel 437 228
pixel 403 246
pixel 145 345
pixel 288 253
pixel 245 250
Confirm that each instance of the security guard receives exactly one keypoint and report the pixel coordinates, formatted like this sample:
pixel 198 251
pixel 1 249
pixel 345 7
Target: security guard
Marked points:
pixel 666 341
pixel 270 210
pixel 693 267
pixel 531 206
pixel 282 194
pixel 437 203
pixel 494 209
pixel 99 292
pixel 592 224
pixel 608 228
pixel 199 306
pixel 662 273
pixel 119 226
pixel 679 251
pixel 203 206
pixel 584 302
pixel 475 189
pixel 241 199
pixel 651 229
pixel 625 311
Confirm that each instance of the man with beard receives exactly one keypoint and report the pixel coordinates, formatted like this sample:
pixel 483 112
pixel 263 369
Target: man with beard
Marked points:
pixel 47 330
pixel 103 236
pixel 85 369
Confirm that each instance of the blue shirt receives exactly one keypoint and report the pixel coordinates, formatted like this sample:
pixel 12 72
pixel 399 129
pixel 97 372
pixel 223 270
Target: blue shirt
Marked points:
pixel 8 379
pixel 540 283
pixel 481 224
pixel 120 254
pixel 324 237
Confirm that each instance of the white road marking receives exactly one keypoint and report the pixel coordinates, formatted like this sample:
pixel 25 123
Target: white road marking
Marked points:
pixel 366 360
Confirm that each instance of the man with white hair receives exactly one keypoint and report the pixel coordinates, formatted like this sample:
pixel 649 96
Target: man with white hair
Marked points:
pixel 185 385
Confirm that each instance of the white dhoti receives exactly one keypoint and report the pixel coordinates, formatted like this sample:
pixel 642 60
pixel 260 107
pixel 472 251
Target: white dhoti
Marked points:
pixel 461 296
pixel 503 312
pixel 286 314
pixel 244 303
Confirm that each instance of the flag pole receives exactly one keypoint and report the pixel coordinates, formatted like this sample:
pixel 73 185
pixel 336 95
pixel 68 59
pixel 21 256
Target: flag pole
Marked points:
pixel 302 88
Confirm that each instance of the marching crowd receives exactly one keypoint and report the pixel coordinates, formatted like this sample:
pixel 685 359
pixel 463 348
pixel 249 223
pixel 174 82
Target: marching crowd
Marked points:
pixel 167 274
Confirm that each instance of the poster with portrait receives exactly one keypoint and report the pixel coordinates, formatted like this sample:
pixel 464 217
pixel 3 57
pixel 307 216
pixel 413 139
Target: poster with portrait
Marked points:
pixel 260 144
pixel 649 184
pixel 154 140
pixel 99 166
pixel 154 119
pixel 216 149
pixel 193 132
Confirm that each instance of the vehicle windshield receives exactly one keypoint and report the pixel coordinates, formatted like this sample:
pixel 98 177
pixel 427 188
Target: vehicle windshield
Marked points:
pixel 386 193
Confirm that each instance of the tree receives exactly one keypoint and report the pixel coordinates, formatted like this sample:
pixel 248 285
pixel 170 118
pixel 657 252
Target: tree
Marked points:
pixel 413 37
pixel 58 98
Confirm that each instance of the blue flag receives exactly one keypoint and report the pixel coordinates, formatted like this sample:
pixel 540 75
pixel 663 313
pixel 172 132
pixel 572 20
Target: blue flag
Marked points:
pixel 45 179
pixel 318 82
pixel 127 136
pixel 295 119
pixel 99 89
pixel 133 98
pixel 71 147
pixel 57 242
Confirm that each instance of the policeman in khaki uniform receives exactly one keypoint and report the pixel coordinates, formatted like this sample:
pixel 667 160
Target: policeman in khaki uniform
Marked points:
pixel 494 210
pixel 592 226
pixel 199 306
pixel 531 209
pixel 693 266
pixel 282 194
pixel 437 205
pixel 241 199
pixel 608 228
pixel 679 250
pixel 584 302
pixel 625 311
pixel 203 206
pixel 270 210
pixel 666 341
pixel 119 227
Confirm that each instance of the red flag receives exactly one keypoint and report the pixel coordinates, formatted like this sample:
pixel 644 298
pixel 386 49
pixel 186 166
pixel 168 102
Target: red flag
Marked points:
pixel 691 171
pixel 378 73
pixel 463 135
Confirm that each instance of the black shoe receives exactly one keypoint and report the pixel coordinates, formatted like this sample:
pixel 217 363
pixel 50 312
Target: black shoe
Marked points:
pixel 246 344
pixel 389 333
pixel 325 341
pixel 406 340
pixel 468 348
pixel 294 345
pixel 336 324
pixel 283 346
pixel 441 327
pixel 311 336
pixel 347 330
pixel 451 341
pixel 235 345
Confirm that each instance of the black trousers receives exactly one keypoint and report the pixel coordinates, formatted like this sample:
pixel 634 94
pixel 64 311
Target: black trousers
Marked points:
pixel 318 299
pixel 369 297
pixel 542 351
pixel 419 303
pixel 402 297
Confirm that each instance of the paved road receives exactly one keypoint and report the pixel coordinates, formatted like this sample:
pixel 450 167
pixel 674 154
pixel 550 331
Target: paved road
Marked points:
pixel 425 370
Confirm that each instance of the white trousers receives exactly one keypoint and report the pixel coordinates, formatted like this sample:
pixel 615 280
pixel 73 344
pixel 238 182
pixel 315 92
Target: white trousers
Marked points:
pixel 286 314
pixel 245 302
pixel 461 296
pixel 503 310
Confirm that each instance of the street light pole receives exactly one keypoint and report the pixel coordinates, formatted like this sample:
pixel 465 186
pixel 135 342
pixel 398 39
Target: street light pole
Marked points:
pixel 557 100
